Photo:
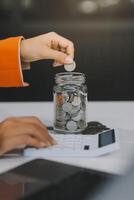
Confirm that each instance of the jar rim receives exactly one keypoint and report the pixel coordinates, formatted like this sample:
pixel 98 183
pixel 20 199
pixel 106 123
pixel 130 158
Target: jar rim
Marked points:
pixel 70 73
pixel 66 77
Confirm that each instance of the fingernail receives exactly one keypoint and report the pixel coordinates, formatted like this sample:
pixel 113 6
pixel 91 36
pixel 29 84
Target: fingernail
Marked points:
pixel 68 60
pixel 42 144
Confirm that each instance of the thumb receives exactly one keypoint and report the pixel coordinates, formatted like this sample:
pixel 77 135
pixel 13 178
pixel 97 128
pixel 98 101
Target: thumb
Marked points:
pixel 59 56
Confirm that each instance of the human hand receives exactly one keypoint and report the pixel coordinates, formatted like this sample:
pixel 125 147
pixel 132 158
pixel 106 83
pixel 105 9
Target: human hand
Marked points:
pixel 47 46
pixel 23 131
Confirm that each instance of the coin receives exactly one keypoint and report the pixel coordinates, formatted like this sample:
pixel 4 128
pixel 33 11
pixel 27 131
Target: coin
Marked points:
pixel 66 96
pixel 59 99
pixel 67 107
pixel 77 118
pixel 60 117
pixel 74 113
pixel 60 125
pixel 81 124
pixel 76 101
pixel 71 97
pixel 70 67
pixel 66 117
pixel 71 126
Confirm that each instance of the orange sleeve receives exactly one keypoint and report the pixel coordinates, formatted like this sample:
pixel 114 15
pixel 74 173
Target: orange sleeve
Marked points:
pixel 10 64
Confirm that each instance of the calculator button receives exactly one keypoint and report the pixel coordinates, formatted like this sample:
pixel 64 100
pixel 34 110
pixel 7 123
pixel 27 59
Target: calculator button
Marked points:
pixel 86 147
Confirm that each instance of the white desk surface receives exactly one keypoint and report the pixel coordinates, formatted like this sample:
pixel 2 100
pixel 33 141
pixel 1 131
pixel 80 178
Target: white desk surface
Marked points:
pixel 113 114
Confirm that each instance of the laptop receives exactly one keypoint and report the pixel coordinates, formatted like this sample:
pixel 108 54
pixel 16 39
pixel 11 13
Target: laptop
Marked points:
pixel 49 180
pixel 120 189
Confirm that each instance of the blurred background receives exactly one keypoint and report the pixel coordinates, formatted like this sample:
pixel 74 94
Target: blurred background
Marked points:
pixel 103 34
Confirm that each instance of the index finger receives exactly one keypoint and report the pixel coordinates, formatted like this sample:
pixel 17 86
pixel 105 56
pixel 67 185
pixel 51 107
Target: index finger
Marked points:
pixel 70 51
pixel 66 44
pixel 35 120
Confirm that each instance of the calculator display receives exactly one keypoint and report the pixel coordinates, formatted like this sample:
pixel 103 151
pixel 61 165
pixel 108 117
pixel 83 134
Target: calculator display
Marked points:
pixel 106 138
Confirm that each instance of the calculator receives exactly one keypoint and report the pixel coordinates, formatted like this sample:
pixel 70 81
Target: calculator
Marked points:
pixel 93 142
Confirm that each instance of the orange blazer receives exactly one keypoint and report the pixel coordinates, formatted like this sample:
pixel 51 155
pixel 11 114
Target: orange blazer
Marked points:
pixel 10 63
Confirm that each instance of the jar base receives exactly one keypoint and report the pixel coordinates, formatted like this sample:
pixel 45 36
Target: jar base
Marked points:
pixel 59 131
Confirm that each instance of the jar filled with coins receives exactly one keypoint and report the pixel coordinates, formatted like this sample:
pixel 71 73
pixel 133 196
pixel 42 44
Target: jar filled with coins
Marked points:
pixel 70 99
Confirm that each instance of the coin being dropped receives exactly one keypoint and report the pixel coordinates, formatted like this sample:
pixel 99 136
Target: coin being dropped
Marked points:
pixel 70 67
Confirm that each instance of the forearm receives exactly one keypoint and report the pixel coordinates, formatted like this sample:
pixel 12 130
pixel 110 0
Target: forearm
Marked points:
pixel 10 63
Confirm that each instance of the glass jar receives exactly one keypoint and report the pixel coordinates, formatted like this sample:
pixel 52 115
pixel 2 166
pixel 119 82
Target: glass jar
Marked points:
pixel 70 102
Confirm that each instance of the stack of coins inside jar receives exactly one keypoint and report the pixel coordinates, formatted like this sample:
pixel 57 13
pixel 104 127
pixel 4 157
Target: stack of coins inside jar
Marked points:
pixel 70 98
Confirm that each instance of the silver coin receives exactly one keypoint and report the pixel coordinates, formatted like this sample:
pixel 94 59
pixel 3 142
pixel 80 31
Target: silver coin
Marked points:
pixel 61 122
pixel 74 114
pixel 66 117
pixel 60 125
pixel 76 101
pixel 65 96
pixel 81 124
pixel 60 116
pixel 71 126
pixel 67 107
pixel 77 118
pixel 75 110
pixel 71 97
pixel 70 67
